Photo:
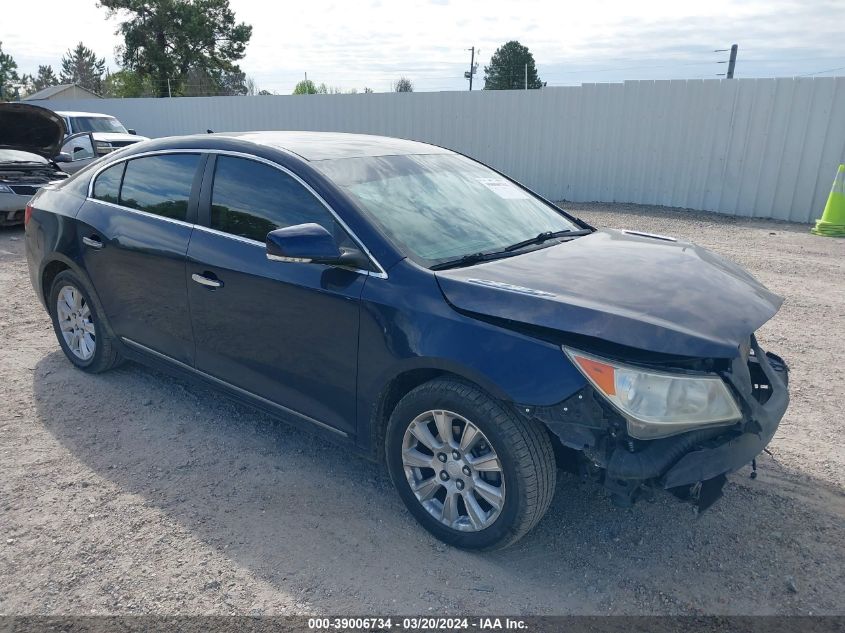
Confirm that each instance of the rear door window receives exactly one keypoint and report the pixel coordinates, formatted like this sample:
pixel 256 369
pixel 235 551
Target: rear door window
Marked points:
pixel 107 185
pixel 250 199
pixel 160 184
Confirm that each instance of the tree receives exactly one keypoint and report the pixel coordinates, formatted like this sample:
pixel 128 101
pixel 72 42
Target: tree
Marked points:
pixel 45 78
pixel 507 68
pixel 231 83
pixel 201 82
pixel 323 89
pixel 165 39
pixel 27 85
pixel 197 83
pixel 308 87
pixel 81 66
pixel 368 91
pixel 403 85
pixel 305 87
pixel 251 87
pixel 126 84
pixel 8 74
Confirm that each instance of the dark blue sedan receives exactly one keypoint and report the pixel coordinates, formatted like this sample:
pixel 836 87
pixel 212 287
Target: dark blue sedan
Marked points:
pixel 420 308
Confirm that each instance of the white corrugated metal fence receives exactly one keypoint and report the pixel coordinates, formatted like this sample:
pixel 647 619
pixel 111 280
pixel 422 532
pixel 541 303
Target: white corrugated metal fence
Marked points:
pixel 753 147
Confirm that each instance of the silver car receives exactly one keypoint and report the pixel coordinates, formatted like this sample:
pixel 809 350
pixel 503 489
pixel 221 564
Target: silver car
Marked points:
pixel 30 138
pixel 106 135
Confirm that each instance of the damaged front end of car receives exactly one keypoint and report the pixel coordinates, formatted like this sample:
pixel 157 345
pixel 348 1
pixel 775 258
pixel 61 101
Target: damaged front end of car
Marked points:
pixel 726 414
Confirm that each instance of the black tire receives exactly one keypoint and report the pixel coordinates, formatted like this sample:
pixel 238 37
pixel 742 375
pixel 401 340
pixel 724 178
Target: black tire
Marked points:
pixel 523 448
pixel 106 355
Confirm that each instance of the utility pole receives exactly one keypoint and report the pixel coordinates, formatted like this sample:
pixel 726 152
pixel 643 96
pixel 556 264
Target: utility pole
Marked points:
pixel 526 76
pixel 472 66
pixel 731 61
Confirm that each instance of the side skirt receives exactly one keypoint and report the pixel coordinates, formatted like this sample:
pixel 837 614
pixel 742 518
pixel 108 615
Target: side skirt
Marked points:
pixel 150 357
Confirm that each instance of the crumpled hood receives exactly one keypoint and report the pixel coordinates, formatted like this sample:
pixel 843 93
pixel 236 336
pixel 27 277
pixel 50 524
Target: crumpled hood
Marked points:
pixel 30 128
pixel 652 294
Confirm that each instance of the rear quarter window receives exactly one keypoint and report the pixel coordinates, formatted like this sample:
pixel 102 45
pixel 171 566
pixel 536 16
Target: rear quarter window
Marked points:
pixel 107 184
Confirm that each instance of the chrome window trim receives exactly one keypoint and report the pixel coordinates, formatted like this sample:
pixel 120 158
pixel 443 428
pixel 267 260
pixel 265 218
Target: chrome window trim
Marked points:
pixel 380 274
pixel 143 213
pixel 240 390
pixel 239 238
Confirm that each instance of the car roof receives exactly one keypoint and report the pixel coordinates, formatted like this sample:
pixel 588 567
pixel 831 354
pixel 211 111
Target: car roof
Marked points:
pixel 94 114
pixel 314 146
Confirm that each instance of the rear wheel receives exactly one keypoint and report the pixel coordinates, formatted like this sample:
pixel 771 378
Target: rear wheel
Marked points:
pixel 470 470
pixel 79 329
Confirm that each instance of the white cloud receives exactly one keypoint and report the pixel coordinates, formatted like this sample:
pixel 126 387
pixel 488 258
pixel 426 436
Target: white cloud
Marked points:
pixel 356 44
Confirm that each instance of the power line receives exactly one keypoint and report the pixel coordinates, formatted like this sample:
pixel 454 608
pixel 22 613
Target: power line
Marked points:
pixel 820 72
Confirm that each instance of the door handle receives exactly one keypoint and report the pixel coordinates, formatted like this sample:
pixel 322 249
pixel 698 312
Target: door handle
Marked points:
pixel 93 242
pixel 206 281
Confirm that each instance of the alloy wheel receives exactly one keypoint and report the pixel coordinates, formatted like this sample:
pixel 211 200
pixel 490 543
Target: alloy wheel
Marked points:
pixel 453 470
pixel 76 323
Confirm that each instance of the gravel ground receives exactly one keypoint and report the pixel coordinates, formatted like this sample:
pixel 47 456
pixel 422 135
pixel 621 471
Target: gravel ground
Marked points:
pixel 131 492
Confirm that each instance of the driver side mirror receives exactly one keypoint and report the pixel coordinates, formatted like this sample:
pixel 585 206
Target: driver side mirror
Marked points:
pixel 131 131
pixel 63 157
pixel 311 243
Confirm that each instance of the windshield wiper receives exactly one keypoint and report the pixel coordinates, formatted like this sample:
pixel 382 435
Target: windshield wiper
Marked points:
pixel 546 236
pixel 467 260
pixel 474 258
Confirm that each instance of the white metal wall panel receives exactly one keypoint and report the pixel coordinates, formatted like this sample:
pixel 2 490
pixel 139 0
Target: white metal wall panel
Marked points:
pixel 754 147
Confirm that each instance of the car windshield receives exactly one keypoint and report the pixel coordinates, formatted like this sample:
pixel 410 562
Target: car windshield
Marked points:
pixel 96 124
pixel 439 207
pixel 17 156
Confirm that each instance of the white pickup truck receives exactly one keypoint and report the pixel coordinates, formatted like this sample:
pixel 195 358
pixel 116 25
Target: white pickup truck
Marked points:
pixel 91 135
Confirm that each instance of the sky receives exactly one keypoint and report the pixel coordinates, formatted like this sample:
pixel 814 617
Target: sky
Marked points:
pixel 372 43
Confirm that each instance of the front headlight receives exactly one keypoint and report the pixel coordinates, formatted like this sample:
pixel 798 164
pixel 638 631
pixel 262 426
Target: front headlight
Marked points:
pixel 103 147
pixel 656 403
pixel 6 189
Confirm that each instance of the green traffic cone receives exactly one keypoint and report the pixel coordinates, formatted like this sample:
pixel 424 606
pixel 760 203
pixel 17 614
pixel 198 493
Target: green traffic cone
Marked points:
pixel 832 222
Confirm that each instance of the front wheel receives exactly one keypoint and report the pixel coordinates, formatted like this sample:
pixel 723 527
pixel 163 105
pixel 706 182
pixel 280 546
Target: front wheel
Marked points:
pixel 469 469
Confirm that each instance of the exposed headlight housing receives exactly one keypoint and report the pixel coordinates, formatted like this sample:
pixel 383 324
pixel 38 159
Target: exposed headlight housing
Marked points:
pixel 657 403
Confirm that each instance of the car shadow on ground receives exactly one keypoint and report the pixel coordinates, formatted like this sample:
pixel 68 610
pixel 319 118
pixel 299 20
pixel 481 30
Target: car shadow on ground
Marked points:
pixel 298 512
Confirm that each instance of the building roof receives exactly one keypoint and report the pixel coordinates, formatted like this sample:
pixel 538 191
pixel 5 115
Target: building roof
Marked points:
pixel 53 91
pixel 329 145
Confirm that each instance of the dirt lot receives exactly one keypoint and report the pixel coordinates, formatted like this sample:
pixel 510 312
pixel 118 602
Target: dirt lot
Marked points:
pixel 131 492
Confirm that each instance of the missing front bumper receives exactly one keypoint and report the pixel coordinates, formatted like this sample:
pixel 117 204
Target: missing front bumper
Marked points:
pixel 763 418
pixel 692 465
